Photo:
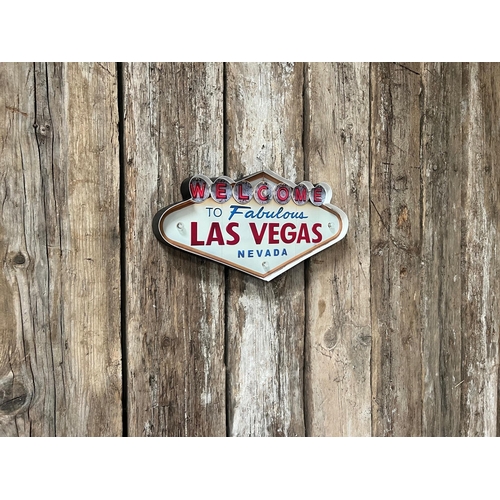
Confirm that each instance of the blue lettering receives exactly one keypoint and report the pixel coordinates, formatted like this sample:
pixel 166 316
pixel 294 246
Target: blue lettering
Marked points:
pixel 260 253
pixel 235 211
pixel 261 213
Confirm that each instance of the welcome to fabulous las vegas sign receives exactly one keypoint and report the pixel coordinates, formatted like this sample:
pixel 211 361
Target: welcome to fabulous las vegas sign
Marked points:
pixel 262 224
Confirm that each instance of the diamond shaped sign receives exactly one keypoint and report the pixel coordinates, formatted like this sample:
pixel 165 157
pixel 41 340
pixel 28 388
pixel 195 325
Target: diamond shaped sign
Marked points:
pixel 262 224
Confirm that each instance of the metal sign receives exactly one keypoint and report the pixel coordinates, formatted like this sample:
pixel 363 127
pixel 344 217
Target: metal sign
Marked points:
pixel 262 224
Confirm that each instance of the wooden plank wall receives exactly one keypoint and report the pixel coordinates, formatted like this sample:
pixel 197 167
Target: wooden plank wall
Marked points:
pixel 392 332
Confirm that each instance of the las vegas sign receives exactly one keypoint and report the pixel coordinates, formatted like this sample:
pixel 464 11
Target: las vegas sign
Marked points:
pixel 262 224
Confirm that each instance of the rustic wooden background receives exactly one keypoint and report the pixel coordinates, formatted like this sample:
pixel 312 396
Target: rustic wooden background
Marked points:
pixel 392 332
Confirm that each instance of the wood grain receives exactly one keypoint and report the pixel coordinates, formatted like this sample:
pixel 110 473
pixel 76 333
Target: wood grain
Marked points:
pixel 173 128
pixel 480 257
pixel 441 174
pixel 60 356
pixel 395 249
pixel 265 321
pixel 24 280
pixel 338 338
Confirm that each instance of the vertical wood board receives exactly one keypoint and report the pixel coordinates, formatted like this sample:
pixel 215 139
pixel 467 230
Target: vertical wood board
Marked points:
pixel 441 173
pixel 338 337
pixel 396 249
pixel 265 321
pixel 480 258
pixel 174 301
pixel 60 230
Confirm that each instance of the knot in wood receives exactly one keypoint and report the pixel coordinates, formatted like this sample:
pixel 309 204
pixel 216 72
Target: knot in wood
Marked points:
pixel 19 259
pixel 14 397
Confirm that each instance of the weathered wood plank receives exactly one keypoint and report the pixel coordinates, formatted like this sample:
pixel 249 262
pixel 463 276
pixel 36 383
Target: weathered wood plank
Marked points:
pixel 442 168
pixel 24 307
pixel 338 336
pixel 480 255
pixel 60 357
pixel 265 321
pixel 173 128
pixel 395 249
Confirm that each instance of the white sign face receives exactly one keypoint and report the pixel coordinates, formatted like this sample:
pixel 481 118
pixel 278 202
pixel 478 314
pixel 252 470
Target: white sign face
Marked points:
pixel 261 225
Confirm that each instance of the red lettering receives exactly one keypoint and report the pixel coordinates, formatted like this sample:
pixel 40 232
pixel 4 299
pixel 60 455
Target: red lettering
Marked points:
pixel 260 189
pixel 230 230
pixel 241 195
pixel 194 235
pixel 197 189
pixel 317 194
pixel 303 234
pixel 215 234
pixel 273 233
pixel 290 237
pixel 315 230
pixel 282 193
pixel 300 193
pixel 256 236
pixel 220 190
